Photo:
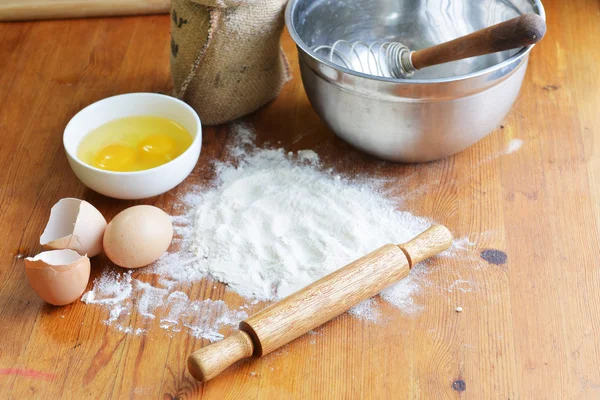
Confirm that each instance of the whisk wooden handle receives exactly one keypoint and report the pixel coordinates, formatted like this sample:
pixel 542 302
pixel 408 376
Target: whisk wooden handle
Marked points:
pixel 317 303
pixel 518 32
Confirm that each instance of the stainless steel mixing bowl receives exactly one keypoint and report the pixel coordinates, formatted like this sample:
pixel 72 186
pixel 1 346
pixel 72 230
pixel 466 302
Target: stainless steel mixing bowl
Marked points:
pixel 441 110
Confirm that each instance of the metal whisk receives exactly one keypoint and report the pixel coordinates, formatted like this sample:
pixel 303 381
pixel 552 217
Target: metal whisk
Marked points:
pixel 387 59
pixel 395 60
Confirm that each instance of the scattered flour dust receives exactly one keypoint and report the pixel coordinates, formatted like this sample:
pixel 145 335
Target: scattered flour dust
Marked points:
pixel 203 318
pixel 270 223
pixel 513 146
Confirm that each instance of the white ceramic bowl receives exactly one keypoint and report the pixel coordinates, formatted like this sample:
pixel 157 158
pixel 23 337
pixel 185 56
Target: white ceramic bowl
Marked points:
pixel 139 184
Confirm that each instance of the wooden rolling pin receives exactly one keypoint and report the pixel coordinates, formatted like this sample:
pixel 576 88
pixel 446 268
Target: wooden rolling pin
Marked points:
pixel 318 303
pixel 16 10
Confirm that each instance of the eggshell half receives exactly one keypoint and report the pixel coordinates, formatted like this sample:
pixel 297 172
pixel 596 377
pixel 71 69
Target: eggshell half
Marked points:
pixel 74 224
pixel 138 236
pixel 59 277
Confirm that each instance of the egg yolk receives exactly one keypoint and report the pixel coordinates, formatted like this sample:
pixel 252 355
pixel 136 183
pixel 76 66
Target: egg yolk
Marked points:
pixel 115 157
pixel 135 143
pixel 158 149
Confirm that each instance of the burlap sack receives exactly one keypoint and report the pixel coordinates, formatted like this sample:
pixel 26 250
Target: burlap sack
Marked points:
pixel 226 59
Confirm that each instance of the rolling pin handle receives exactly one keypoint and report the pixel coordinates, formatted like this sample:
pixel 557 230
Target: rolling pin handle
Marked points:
pixel 429 243
pixel 210 361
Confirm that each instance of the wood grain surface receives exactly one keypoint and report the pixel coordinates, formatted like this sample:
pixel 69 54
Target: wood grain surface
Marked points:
pixel 530 325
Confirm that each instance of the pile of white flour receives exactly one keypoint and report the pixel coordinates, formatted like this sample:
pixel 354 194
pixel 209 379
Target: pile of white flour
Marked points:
pixel 275 222
pixel 271 223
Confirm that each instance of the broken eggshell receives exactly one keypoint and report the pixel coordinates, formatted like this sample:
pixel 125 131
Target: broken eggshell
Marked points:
pixel 59 277
pixel 74 224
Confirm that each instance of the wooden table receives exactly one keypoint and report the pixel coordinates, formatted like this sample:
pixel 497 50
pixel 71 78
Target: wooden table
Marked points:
pixel 530 328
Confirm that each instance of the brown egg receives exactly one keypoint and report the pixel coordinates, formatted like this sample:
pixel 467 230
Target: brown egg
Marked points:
pixel 74 224
pixel 59 277
pixel 138 236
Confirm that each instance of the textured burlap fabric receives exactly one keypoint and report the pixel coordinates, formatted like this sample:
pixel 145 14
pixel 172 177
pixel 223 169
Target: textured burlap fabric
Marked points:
pixel 226 59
